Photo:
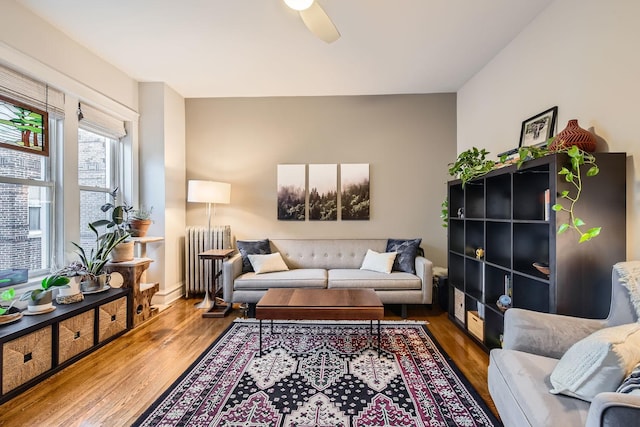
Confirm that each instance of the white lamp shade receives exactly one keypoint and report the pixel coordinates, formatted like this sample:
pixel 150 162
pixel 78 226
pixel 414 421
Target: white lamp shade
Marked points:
pixel 299 4
pixel 209 192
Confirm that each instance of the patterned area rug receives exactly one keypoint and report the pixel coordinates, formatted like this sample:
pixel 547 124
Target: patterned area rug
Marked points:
pixel 321 375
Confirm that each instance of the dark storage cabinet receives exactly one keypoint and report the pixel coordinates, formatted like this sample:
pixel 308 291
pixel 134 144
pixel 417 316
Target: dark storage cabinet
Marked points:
pixel 36 347
pixel 508 214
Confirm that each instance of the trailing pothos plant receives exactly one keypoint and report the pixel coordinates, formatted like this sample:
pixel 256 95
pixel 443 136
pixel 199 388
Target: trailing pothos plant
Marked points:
pixel 473 163
pixel 568 198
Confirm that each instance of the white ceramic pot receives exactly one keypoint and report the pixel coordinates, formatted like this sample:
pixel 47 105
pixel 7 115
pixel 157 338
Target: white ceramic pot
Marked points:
pixel 73 289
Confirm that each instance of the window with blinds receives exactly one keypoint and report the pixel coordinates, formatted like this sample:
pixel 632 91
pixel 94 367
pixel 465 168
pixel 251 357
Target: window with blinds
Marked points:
pixel 27 183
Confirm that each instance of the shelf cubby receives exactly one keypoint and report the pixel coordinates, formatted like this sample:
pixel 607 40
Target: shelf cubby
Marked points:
pixel 498 196
pixel 498 243
pixel 493 328
pixel 531 294
pixel 456 270
pixel 474 278
pixel 494 283
pixel 530 244
pixel 474 237
pixel 474 200
pixel 456 230
pixel 529 186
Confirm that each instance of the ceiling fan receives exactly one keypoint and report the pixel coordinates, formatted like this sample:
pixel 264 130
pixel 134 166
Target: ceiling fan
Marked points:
pixel 315 18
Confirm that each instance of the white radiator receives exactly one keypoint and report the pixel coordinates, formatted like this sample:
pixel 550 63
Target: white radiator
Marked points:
pixel 199 273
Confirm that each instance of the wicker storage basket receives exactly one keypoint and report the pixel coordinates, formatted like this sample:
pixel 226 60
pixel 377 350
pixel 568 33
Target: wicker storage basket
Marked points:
pixel 25 358
pixel 112 319
pixel 75 335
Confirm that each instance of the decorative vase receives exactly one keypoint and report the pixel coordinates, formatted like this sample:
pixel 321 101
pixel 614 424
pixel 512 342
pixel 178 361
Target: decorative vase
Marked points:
pixel 122 252
pixel 573 134
pixel 139 227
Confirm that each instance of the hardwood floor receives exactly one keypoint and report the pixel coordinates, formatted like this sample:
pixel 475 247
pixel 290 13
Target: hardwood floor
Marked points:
pixel 115 384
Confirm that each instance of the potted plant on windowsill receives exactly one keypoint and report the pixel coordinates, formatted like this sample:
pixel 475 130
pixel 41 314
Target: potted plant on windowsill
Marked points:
pixel 117 229
pixel 9 313
pixel 41 299
pixel 92 263
pixel 140 221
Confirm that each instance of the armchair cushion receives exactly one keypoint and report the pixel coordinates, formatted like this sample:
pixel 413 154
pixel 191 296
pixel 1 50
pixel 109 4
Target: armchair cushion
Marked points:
pixel 545 334
pixel 597 363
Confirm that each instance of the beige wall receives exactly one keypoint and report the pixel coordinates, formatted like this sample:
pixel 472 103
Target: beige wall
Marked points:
pixel 408 140
pixel 580 55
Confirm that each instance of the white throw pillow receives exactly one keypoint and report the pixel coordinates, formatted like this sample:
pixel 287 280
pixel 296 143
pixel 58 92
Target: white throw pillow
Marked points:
pixel 381 262
pixel 597 363
pixel 267 263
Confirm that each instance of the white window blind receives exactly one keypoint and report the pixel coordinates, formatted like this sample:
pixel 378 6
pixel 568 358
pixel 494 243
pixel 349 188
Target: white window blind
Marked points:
pixel 100 122
pixel 31 92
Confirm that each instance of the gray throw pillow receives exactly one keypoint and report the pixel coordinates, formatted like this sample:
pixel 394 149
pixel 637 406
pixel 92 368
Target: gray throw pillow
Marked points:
pixel 252 247
pixel 407 250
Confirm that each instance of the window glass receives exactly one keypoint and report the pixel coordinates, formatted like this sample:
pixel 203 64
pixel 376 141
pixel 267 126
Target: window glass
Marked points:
pixel 96 179
pixel 26 211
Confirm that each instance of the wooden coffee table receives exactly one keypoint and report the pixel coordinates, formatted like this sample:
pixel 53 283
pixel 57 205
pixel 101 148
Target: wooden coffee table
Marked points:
pixel 320 304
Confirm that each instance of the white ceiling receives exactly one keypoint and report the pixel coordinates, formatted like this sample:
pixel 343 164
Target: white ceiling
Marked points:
pixel 237 48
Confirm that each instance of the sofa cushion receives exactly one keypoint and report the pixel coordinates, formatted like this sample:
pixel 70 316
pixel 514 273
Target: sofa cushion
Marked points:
pixel 297 278
pixel 267 263
pixel 598 363
pixel 519 386
pixel 407 251
pixel 380 262
pixel 351 278
pixel 246 247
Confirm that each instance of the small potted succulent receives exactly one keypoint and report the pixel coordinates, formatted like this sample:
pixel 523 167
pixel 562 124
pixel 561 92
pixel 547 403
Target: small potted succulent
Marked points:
pixel 139 221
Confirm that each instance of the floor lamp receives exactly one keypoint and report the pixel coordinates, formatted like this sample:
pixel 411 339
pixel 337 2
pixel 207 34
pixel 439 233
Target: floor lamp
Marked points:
pixel 209 192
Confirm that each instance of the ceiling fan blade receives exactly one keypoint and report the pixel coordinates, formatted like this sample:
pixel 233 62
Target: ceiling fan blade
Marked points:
pixel 319 23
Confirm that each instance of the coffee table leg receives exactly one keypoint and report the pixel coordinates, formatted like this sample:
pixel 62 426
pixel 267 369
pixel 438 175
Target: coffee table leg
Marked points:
pixel 379 343
pixel 260 339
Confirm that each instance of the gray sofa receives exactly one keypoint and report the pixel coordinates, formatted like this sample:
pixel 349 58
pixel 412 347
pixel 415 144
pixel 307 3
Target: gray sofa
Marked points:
pixel 519 373
pixel 328 263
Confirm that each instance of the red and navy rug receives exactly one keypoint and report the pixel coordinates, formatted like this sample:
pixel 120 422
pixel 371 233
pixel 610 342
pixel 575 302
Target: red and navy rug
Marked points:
pixel 322 375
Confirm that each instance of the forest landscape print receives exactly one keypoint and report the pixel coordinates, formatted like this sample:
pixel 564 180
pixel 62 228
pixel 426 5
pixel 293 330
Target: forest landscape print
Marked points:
pixel 355 196
pixel 323 192
pixel 291 192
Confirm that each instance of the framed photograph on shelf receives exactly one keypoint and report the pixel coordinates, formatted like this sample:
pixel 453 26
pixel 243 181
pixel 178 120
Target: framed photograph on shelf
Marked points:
pixel 538 129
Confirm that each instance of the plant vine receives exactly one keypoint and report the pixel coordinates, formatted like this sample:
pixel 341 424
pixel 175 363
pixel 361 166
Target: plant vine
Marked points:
pixel 573 176
pixel 473 163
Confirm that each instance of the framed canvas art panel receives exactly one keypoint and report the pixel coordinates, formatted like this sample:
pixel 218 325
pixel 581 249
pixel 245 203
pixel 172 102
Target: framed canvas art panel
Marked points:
pixel 23 127
pixel 323 192
pixel 354 196
pixel 291 192
pixel 538 129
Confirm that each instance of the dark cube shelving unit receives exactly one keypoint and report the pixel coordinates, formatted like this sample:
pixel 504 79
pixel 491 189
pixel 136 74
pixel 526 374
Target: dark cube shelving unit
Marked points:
pixel 505 213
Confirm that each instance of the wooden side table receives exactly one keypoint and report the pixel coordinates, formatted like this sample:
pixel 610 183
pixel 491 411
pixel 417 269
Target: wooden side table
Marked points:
pixel 215 255
pixel 132 272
